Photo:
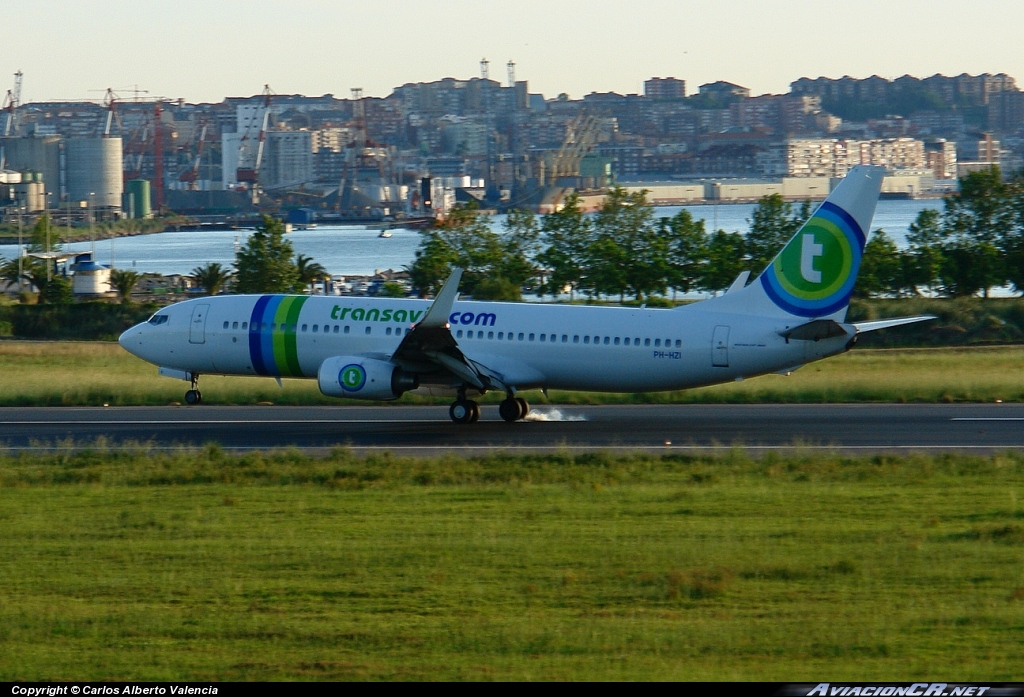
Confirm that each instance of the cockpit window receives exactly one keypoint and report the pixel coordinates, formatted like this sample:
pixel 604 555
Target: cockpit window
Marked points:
pixel 158 319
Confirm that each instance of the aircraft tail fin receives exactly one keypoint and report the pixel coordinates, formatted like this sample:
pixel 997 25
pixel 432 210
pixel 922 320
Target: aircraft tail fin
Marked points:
pixel 814 274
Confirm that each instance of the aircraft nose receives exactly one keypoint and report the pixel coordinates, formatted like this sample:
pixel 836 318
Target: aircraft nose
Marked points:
pixel 129 339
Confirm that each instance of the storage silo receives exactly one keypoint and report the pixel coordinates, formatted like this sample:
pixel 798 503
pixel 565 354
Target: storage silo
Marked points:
pixel 95 166
pixel 36 154
pixel 137 199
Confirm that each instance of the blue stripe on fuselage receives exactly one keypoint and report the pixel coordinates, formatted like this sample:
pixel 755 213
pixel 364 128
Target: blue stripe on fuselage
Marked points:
pixel 255 336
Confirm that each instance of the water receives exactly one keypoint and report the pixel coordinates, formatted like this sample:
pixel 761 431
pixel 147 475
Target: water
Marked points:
pixel 360 251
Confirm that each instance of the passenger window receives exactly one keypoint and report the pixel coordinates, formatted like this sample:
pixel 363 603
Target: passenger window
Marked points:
pixel 225 324
pixel 657 342
pixel 245 325
pixel 347 329
pixel 368 328
pixel 234 325
pixel 575 339
pixel 565 338
pixel 586 340
pixel 480 335
pixel 458 334
pixel 647 342
pixel 626 341
pixel 531 336
pixel 542 336
pixel 335 328
pixel 606 341
pixel 387 331
pixel 490 335
pixel 304 327
pixel 520 336
pixel 501 335
pixel 616 341
pixel 679 343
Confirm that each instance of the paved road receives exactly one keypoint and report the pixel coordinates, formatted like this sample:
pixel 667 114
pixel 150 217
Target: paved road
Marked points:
pixel 427 430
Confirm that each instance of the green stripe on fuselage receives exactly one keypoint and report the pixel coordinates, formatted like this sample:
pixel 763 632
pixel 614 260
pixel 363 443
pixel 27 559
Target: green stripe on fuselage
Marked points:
pixel 286 354
pixel 291 349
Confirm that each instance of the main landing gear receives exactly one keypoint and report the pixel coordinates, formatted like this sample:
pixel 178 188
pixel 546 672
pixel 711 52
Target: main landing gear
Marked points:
pixel 512 409
pixel 194 396
pixel 466 411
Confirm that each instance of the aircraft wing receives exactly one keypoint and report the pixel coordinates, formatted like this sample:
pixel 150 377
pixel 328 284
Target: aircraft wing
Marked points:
pixel 431 341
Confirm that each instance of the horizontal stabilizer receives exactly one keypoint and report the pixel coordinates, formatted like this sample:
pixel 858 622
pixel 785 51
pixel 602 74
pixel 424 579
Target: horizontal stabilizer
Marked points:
pixel 886 323
pixel 816 330
pixel 740 282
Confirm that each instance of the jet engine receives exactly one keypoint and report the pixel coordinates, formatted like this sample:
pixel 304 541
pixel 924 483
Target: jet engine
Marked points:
pixel 357 377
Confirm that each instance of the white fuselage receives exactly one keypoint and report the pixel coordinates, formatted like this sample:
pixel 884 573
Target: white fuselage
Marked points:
pixel 532 345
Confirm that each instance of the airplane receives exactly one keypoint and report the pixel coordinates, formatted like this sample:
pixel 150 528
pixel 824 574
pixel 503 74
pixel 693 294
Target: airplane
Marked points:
pixel 379 349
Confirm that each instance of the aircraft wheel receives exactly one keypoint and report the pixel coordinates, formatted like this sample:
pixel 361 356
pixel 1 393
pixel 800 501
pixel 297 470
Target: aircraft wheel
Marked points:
pixel 510 410
pixel 461 411
pixel 193 397
pixel 524 407
pixel 474 413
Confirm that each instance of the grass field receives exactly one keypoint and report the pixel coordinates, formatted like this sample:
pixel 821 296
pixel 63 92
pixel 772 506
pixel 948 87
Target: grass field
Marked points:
pixel 199 565
pixel 93 373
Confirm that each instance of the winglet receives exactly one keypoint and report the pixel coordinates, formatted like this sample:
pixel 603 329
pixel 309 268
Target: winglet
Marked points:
pixel 438 313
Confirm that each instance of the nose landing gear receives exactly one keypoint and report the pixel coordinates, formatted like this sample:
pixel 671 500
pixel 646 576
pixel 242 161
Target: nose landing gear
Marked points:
pixel 194 396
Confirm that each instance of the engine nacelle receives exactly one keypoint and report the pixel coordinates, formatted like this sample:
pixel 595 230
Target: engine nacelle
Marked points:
pixel 357 377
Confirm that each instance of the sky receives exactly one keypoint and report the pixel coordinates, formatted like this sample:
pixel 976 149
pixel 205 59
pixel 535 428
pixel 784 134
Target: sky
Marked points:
pixel 203 51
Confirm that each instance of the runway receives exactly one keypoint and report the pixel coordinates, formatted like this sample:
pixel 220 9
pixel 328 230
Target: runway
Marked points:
pixel 862 428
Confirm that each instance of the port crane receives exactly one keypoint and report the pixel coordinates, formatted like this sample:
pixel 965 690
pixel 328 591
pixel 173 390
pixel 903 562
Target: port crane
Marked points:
pixel 11 103
pixel 250 154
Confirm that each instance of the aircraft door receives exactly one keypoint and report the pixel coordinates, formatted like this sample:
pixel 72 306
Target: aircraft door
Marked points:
pixel 720 347
pixel 197 328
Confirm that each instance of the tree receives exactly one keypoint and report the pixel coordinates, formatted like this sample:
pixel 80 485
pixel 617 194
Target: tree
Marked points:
pixel 774 223
pixel 566 235
pixel 923 258
pixel 36 273
pixel 309 271
pixel 975 220
pixel 462 239
pixel 123 282
pixel 10 272
pixel 626 236
pixel 519 248
pixel 57 291
pixel 881 268
pixel 725 260
pixel 211 277
pixel 686 251
pixel 264 264
pixel 42 238
pixel 390 289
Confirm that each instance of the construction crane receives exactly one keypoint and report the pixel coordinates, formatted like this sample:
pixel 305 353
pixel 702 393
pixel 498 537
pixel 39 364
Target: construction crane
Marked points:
pixel 109 101
pixel 581 134
pixel 191 175
pixel 250 154
pixel 11 103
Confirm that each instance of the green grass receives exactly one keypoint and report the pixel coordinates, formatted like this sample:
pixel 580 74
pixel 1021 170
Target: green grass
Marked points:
pixel 93 373
pixel 199 565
